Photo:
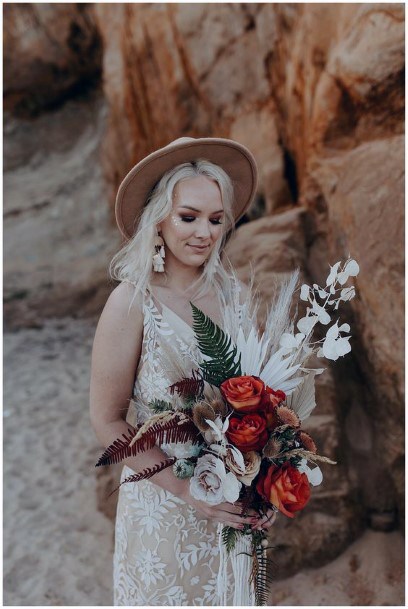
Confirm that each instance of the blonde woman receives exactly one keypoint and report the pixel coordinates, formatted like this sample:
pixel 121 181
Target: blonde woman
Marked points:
pixel 175 209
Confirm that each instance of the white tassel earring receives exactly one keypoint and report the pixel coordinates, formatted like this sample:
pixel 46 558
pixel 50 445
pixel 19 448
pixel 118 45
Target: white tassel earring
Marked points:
pixel 159 254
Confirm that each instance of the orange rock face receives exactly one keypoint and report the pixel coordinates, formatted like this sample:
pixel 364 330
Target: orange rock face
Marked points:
pixel 51 53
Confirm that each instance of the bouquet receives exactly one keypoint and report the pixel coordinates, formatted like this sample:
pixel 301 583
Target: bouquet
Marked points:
pixel 236 429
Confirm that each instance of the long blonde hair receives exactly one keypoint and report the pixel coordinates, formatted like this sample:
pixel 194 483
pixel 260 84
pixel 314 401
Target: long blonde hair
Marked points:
pixel 133 263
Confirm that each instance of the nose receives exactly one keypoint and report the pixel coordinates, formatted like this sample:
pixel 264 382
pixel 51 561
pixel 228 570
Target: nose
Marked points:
pixel 203 230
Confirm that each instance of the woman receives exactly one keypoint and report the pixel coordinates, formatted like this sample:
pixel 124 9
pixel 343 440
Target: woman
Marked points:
pixel 175 208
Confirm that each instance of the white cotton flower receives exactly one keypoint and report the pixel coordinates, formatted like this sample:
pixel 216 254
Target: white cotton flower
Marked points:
pixel 315 475
pixel 212 484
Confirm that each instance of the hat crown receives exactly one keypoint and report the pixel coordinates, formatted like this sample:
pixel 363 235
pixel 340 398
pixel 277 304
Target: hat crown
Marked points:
pixel 180 140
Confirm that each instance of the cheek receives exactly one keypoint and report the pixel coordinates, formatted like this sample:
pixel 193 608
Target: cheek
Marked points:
pixel 177 228
pixel 217 232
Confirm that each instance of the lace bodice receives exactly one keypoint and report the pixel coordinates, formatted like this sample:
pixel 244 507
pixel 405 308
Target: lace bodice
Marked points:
pixel 166 333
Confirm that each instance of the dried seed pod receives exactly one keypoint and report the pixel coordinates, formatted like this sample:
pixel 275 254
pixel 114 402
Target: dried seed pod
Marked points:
pixel 183 468
pixel 288 416
pixel 272 447
pixel 219 407
pixel 307 441
pixel 202 411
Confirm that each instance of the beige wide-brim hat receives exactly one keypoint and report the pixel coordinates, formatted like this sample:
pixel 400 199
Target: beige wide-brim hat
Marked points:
pixel 236 160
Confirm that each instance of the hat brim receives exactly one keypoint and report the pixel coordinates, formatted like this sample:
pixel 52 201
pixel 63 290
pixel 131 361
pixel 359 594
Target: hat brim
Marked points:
pixel 234 158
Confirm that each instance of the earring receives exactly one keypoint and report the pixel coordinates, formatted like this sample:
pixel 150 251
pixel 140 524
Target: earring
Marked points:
pixel 159 254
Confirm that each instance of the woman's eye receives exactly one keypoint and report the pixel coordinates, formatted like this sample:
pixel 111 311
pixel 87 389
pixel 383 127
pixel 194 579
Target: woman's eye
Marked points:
pixel 192 218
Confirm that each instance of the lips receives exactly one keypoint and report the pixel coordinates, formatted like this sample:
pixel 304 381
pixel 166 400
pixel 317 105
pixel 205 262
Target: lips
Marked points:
pixel 199 248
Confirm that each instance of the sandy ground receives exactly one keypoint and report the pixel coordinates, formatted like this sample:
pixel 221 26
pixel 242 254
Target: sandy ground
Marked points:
pixel 57 546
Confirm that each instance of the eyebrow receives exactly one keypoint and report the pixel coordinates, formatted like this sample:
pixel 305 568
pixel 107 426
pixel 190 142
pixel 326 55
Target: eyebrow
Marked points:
pixel 199 210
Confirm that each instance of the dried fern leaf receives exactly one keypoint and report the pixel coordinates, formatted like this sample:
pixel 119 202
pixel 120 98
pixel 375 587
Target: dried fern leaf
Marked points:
pixel 118 450
pixel 147 473
pixel 174 430
pixel 189 387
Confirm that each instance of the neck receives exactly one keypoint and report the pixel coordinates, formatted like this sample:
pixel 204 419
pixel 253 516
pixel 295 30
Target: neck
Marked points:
pixel 179 276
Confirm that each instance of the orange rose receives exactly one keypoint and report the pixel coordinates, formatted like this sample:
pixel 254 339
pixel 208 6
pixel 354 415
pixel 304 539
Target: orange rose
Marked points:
pixel 243 393
pixel 248 432
pixel 284 487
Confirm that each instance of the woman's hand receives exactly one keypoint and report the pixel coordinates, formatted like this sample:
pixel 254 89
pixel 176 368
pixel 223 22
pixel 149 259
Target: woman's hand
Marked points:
pixel 266 521
pixel 229 514
pixel 226 513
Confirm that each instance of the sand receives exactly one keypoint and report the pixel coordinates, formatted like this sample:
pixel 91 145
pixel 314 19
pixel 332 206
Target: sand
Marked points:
pixel 57 546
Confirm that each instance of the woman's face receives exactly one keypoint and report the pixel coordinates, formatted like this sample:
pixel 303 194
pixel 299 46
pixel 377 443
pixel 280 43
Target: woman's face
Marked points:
pixel 196 219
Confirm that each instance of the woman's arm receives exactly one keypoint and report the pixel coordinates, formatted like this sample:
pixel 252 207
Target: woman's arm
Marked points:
pixel 115 356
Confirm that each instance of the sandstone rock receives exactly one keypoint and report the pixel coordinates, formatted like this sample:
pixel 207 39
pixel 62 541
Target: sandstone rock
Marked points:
pixel 58 236
pixel 50 53
pixel 190 52
pixel 336 74
pixel 257 130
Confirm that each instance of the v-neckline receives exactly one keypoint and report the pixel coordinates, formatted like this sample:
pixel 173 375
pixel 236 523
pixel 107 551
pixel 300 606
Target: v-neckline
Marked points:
pixel 153 296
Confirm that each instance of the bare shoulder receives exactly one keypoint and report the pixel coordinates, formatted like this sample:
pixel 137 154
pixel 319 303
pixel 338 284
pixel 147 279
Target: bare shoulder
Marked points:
pixel 122 316
pixel 123 299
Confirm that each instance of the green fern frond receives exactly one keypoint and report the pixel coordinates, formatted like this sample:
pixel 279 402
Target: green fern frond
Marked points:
pixel 160 405
pixel 229 538
pixel 216 344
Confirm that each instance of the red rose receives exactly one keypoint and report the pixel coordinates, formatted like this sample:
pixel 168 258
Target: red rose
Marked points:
pixel 248 432
pixel 270 400
pixel 284 487
pixel 243 393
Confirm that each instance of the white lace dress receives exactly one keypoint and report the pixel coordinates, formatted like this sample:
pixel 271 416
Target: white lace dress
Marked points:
pixel 165 552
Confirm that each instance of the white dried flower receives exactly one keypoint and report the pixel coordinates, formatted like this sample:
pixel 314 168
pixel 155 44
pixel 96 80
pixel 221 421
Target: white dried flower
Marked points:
pixel 315 475
pixel 334 345
pixel 212 484
pixel 252 466
pixel 181 450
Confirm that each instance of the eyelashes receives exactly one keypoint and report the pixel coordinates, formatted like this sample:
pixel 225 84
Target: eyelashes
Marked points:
pixel 192 218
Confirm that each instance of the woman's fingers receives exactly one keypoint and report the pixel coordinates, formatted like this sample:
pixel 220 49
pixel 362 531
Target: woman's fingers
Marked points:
pixel 267 520
pixel 235 518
